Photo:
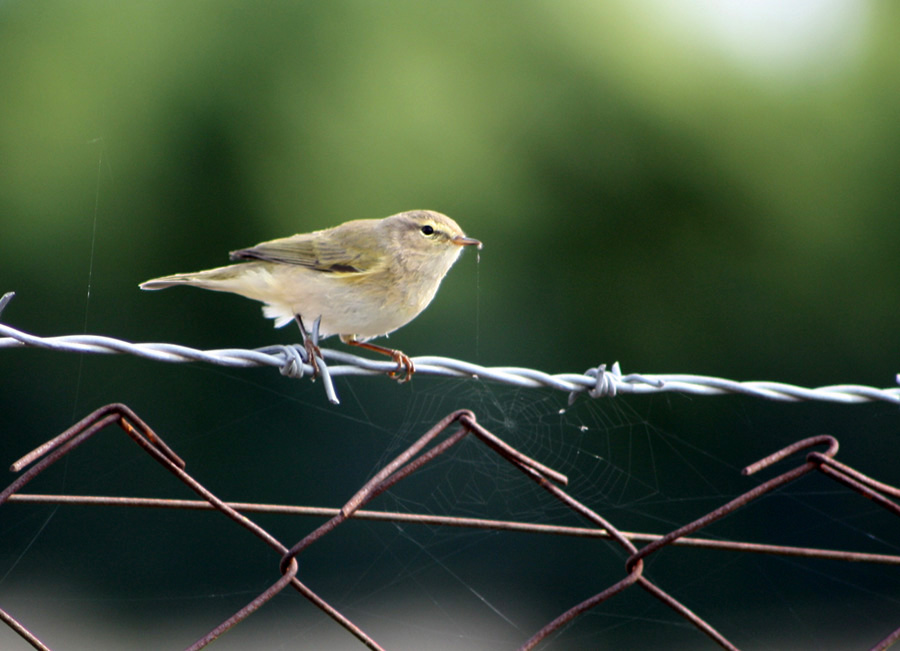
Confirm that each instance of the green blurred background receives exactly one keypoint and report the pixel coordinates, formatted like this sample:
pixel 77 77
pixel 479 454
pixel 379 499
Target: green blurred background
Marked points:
pixel 698 187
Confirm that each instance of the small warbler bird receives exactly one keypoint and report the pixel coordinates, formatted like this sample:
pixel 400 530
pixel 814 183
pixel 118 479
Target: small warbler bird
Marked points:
pixel 362 279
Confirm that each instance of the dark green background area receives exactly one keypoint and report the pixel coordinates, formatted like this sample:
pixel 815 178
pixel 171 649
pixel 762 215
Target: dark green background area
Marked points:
pixel 648 190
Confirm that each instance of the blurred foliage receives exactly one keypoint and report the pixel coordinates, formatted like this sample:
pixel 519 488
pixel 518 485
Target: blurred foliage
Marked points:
pixel 641 195
pixel 647 189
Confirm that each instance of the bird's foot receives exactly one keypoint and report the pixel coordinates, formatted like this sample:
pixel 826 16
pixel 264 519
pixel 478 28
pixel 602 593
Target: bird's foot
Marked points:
pixel 311 344
pixel 404 365
pixel 312 352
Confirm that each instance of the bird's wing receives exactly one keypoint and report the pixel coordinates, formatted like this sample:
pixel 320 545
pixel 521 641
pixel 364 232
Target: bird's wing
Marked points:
pixel 319 251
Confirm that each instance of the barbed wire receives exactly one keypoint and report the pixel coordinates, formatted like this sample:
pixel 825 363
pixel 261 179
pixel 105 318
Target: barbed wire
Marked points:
pixel 602 381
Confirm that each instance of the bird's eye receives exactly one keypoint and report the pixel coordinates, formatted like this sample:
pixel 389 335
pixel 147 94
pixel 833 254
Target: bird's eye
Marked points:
pixel 427 229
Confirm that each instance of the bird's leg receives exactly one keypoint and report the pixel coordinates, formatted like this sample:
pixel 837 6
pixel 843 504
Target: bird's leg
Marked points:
pixel 312 347
pixel 401 359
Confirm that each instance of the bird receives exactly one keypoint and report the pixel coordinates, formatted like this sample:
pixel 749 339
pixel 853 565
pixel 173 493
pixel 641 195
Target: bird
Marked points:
pixel 362 279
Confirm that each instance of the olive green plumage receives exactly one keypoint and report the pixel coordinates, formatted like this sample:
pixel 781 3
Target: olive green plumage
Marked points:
pixel 364 278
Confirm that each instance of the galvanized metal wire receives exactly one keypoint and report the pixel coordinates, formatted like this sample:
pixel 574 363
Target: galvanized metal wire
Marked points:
pixel 601 381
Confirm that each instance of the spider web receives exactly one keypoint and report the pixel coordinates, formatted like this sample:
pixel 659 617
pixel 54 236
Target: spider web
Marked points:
pixel 648 465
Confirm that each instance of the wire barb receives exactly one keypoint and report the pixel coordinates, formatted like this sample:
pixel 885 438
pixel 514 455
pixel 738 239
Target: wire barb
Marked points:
pixel 5 299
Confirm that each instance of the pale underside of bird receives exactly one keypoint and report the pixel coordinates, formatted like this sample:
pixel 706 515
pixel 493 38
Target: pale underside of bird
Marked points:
pixel 362 279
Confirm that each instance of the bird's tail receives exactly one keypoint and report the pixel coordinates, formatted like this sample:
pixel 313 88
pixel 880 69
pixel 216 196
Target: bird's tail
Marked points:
pixel 250 279
pixel 219 279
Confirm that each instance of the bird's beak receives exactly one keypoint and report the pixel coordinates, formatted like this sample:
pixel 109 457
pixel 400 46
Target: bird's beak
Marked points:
pixel 461 240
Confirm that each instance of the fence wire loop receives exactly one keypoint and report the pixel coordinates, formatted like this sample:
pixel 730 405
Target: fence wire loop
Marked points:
pixel 294 363
pixel 608 383
pixel 794 448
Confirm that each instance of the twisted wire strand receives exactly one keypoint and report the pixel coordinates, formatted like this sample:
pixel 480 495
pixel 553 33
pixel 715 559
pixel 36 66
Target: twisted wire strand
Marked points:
pixel 598 382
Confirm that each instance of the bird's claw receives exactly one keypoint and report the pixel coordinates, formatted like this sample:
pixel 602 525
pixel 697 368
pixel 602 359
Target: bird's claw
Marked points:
pixel 312 352
pixel 404 364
